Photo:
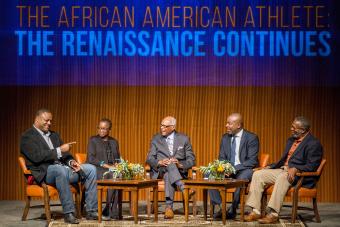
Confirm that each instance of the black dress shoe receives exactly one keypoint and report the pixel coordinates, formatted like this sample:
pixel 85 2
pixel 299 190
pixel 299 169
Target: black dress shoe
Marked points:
pixel 218 215
pixel 70 218
pixel 92 215
pixel 231 215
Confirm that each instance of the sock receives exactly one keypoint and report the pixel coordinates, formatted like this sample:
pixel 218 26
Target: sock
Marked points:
pixel 274 214
pixel 256 211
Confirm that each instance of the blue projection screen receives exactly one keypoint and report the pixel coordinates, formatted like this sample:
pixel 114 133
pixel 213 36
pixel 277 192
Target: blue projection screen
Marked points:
pixel 169 43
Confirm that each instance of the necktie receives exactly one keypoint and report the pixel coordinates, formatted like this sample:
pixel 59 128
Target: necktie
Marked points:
pixel 233 150
pixel 170 145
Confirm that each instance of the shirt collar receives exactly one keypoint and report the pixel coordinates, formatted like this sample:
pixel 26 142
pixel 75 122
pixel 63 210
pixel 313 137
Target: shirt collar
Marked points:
pixel 171 136
pixel 48 133
pixel 239 134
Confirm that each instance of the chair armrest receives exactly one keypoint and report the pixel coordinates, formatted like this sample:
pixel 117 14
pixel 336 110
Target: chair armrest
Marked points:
pixel 27 172
pixel 307 174
pixel 258 168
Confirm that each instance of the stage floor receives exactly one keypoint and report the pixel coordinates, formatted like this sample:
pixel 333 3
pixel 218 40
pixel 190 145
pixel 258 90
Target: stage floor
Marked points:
pixel 11 211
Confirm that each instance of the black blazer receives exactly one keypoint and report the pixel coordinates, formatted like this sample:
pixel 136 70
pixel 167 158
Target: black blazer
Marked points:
pixel 307 157
pixel 37 153
pixel 96 152
pixel 249 148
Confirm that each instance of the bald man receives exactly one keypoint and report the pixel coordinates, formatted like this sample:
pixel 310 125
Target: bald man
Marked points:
pixel 170 156
pixel 50 161
pixel 240 147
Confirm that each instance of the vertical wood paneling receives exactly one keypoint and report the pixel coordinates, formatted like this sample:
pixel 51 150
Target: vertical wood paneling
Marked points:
pixel 201 113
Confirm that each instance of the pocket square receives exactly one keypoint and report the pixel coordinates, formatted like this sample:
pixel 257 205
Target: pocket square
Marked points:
pixel 179 148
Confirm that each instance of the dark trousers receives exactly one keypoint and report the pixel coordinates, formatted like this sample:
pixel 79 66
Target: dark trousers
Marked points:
pixel 215 197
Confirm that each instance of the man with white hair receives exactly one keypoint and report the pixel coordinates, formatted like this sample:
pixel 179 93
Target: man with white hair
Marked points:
pixel 170 156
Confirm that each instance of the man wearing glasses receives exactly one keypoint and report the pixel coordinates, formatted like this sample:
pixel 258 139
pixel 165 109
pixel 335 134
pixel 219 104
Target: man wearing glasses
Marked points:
pixel 170 156
pixel 303 152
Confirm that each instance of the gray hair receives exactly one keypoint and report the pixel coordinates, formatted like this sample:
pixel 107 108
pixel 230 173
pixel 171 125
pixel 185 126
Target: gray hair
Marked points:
pixel 305 124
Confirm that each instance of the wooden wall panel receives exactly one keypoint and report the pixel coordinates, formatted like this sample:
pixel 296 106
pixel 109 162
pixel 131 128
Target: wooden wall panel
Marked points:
pixel 201 113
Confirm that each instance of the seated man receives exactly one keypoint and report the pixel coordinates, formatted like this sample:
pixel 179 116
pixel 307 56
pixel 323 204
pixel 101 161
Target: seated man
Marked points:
pixel 103 152
pixel 49 160
pixel 303 152
pixel 241 148
pixel 170 156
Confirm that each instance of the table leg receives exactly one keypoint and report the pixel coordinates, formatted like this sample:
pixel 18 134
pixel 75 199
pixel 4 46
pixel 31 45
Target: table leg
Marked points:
pixel 223 195
pixel 155 202
pixel 186 204
pixel 205 203
pixel 99 194
pixel 242 202
pixel 135 204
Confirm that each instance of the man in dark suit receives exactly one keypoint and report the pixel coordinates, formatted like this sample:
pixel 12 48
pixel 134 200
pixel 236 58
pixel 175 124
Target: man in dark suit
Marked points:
pixel 241 148
pixel 49 160
pixel 170 156
pixel 303 152
pixel 103 152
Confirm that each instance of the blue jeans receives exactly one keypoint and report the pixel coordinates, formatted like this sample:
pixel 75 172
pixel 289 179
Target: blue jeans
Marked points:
pixel 61 177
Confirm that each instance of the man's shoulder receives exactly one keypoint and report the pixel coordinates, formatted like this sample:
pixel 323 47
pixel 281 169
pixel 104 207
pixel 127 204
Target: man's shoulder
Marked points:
pixel 312 140
pixel 30 132
pixel 181 135
pixel 94 138
pixel 249 134
pixel 112 139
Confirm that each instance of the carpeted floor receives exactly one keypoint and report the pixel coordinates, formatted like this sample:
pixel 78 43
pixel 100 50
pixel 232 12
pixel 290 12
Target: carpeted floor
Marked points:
pixel 178 221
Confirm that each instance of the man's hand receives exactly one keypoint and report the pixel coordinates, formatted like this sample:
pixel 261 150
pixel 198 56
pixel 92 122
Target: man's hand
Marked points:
pixel 75 165
pixel 164 162
pixel 66 146
pixel 175 161
pixel 291 174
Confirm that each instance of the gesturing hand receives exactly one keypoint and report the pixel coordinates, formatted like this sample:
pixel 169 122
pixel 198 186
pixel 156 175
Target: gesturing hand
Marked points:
pixel 66 146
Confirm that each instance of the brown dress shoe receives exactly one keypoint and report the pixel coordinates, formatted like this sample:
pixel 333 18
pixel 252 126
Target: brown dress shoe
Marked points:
pixel 169 213
pixel 269 219
pixel 252 217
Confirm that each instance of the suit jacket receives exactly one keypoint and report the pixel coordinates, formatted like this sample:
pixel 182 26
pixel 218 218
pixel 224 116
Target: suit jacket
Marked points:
pixel 38 155
pixel 96 152
pixel 182 152
pixel 307 157
pixel 248 151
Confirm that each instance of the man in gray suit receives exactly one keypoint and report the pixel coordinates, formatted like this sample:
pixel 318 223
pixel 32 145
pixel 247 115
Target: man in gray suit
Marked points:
pixel 240 147
pixel 170 156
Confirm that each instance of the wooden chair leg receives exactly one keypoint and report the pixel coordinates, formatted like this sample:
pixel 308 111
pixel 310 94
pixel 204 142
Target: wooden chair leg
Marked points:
pixel 47 204
pixel 78 205
pixel 316 211
pixel 263 204
pixel 27 207
pixel 295 206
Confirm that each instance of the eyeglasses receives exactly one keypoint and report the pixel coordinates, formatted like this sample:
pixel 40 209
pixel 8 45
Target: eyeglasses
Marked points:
pixel 103 129
pixel 166 126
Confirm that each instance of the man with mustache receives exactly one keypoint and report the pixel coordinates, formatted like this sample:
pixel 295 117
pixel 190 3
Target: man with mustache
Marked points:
pixel 303 152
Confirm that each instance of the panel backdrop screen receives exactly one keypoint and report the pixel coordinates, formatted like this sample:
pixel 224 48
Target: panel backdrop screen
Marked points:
pixel 169 43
